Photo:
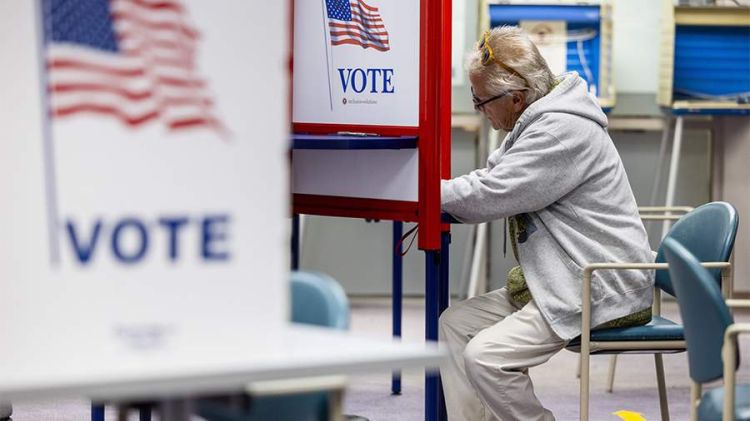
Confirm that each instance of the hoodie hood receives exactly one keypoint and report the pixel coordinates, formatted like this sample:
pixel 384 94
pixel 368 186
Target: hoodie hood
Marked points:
pixel 569 96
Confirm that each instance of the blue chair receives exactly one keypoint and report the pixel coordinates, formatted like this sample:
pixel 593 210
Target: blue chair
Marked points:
pixel 317 299
pixel 708 232
pixel 649 213
pixel 711 337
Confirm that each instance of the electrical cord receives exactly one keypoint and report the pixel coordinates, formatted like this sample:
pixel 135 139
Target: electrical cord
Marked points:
pixel 579 37
pixel 585 64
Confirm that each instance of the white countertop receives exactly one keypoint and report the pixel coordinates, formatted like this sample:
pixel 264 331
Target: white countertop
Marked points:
pixel 294 351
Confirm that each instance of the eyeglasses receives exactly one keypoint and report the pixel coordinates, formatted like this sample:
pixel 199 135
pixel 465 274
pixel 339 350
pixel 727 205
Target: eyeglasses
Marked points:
pixel 488 56
pixel 479 103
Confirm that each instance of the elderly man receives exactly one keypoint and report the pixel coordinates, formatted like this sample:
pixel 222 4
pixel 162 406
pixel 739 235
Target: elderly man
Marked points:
pixel 558 179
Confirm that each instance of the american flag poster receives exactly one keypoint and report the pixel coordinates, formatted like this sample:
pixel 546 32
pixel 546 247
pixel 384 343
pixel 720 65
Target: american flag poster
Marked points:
pixel 356 62
pixel 130 60
pixel 354 22
pixel 145 169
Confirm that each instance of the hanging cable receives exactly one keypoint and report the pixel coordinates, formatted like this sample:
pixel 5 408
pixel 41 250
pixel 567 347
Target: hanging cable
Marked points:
pixel 413 233
pixel 585 64
pixel 739 96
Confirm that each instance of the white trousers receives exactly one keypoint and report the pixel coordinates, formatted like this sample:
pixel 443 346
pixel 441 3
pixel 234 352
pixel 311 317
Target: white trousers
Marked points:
pixel 492 344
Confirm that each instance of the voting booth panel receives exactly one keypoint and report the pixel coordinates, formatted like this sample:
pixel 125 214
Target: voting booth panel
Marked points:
pixel 705 60
pixel 356 63
pixel 570 35
pixel 371 122
pixel 371 132
pixel 139 140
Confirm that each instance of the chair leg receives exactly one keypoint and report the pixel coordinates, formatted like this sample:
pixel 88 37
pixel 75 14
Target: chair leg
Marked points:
pixel 611 376
pixel 695 397
pixel 123 411
pixel 663 404
pixel 584 365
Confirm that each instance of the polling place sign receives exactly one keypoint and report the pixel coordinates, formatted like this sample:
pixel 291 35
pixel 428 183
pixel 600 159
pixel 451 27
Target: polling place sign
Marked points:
pixel 356 62
pixel 143 170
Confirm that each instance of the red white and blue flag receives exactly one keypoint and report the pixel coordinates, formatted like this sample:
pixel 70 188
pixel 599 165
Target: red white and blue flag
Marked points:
pixel 356 23
pixel 133 60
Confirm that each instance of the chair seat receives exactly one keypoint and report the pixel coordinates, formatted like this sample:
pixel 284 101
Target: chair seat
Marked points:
pixel 658 329
pixel 311 406
pixel 712 404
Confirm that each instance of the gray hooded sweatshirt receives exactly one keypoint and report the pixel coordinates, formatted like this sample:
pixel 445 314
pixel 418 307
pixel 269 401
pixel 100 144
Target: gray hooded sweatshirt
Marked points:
pixel 559 174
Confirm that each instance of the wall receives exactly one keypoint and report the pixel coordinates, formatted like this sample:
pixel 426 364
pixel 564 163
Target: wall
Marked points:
pixel 732 186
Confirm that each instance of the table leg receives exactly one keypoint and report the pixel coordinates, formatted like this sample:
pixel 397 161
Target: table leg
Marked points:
pixel 660 164
pixel 397 278
pixel 674 167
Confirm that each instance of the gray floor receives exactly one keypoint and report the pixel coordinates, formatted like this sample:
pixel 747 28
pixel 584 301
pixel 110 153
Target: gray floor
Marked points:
pixel 555 382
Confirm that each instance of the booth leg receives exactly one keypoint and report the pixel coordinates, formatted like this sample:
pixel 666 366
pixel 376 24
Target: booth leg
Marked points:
pixel 432 379
pixel 295 242
pixel 432 313
pixel 97 412
pixel 397 278
pixel 443 303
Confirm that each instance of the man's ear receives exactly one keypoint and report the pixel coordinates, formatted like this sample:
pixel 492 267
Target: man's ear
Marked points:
pixel 519 101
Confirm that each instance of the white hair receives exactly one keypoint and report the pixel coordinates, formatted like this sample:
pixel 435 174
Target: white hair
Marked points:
pixel 511 46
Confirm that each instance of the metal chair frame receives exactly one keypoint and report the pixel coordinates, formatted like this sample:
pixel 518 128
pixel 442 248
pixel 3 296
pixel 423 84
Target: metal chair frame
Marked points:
pixel 647 213
pixel 658 347
pixel 729 358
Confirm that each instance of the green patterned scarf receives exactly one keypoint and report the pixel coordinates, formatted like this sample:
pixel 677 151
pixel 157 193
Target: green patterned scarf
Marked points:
pixel 520 294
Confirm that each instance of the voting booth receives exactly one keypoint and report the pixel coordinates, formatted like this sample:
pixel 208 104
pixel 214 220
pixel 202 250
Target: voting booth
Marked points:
pixel 125 137
pixel 570 35
pixel 371 129
pixel 705 60
pixel 371 110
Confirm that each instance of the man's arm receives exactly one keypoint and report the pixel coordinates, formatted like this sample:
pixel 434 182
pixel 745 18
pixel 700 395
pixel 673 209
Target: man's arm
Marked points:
pixel 534 173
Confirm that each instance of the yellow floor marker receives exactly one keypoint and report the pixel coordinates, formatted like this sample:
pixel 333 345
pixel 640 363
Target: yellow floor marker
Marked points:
pixel 629 416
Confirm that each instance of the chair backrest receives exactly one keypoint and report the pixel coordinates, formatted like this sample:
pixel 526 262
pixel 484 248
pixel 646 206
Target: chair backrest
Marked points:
pixel 317 299
pixel 708 232
pixel 705 316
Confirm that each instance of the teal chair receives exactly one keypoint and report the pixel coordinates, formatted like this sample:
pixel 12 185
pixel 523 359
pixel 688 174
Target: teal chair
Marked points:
pixel 708 232
pixel 711 336
pixel 319 300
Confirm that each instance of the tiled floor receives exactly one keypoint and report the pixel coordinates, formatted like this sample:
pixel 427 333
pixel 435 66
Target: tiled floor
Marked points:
pixel 555 382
